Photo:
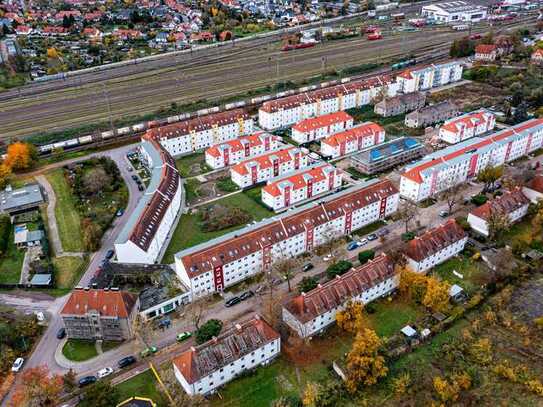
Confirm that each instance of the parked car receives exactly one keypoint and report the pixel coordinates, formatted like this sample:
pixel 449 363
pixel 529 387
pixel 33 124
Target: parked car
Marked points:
pixel 85 381
pixel 120 213
pixel 371 237
pixel 61 333
pixel 443 214
pixel 148 351
pixel 140 187
pixel 352 245
pixel 183 336
pixel 246 295
pixel 40 316
pixel 106 371
pixel 126 361
pixel 232 301
pixel 328 257
pixel 307 267
pixel 110 253
pixel 362 242
pixel 134 177
pixel 17 365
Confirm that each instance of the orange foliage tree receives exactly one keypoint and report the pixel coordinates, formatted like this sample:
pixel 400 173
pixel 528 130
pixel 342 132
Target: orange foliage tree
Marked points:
pixel 37 388
pixel 20 156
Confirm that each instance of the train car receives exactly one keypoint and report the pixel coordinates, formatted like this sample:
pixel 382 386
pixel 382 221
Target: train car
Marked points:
pixel 375 36
pixel 45 149
pixel 185 116
pixel 151 124
pixel 214 109
pixel 106 134
pixel 85 139
pixel 230 106
pixel 60 144
pixel 139 127
pixel 345 80
pixel 241 103
pixel 172 119
pixel 72 142
pixel 123 131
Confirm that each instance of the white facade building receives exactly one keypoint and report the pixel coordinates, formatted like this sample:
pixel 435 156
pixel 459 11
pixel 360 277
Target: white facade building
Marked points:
pixel 310 313
pixel 319 127
pixel 514 204
pixel 204 368
pixel 143 236
pixel 458 163
pixel 202 132
pixel 222 262
pixel 268 166
pixel 298 187
pixel 234 151
pixel 284 112
pixel 435 246
pixel 361 136
pixel 534 189
pixel 451 12
pixel 466 126
pixel 428 77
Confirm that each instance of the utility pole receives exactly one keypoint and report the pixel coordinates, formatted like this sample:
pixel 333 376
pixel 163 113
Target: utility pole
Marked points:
pixel 106 94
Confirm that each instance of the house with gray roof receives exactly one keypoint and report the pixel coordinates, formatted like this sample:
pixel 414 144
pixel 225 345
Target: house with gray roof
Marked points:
pixel 431 114
pixel 15 201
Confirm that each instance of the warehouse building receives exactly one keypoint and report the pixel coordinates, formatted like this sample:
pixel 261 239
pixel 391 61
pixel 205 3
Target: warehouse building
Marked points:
pixel 451 12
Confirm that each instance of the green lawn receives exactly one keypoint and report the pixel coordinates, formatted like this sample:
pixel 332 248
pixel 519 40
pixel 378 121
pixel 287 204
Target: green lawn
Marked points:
pixel 68 220
pixel 68 270
pixel 189 233
pixel 78 350
pixel 372 227
pixel 191 165
pixel 474 272
pixel 142 385
pixel 11 263
pixel 391 316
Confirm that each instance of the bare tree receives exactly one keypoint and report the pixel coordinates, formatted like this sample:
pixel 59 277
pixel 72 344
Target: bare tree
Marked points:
pixel 407 212
pixel 142 329
pixel 195 312
pixel 285 266
pixel 96 180
pixel 451 193
pixel 504 264
pixel 332 244
pixel 176 392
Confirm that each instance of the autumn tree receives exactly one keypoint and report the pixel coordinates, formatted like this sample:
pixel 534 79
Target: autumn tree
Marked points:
pixel 100 394
pixel 436 296
pixel 196 312
pixel 498 222
pixel 91 234
pixel 481 351
pixel 489 175
pixel 37 388
pixel 142 329
pixel 310 394
pixel 407 212
pixel 5 175
pixel 69 380
pixel 451 193
pixel 412 285
pixel 449 390
pixel 20 156
pixel 351 319
pixel 504 264
pixel 95 180
pixel 178 395
pixel 401 384
pixel 285 266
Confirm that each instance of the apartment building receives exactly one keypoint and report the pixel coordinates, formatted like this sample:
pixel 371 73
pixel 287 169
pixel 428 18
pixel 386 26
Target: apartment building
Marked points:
pixel 435 246
pixel 431 114
pixel 428 77
pixel 310 313
pixel 222 262
pixel 319 127
pixel 307 184
pixel 513 204
pixel 202 132
pixel 146 231
pixel 387 155
pixel 284 112
pixel 93 314
pixel 234 151
pixel 466 126
pixel 355 139
pixel 204 368
pixel 400 104
pixel 458 163
pixel 268 166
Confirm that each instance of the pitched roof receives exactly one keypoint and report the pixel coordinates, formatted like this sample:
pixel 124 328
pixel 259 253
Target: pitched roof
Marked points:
pixel 469 120
pixel 108 303
pixel 536 183
pixel 232 344
pixel 538 53
pixel 485 48
pixel 353 134
pixel 318 122
pixel 300 180
pixel 198 124
pixel 266 160
pixel 239 143
pixel 509 202
pixel 434 240
pixel 333 293
pixel 229 248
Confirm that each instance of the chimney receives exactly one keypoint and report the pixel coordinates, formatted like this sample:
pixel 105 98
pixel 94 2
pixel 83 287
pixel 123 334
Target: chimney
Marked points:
pixel 214 339
pixel 87 288
pixel 192 349
pixel 238 327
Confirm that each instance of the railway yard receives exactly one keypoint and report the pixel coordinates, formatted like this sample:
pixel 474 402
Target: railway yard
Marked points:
pixel 220 73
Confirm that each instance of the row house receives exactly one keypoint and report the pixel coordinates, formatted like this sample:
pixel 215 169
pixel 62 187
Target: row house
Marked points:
pixel 319 127
pixel 52 31
pixel 357 138
pixel 203 131
pixel 284 112
pixel 428 77
pixel 456 164
pixel 126 34
pixel 466 126
pixel 268 166
pixel 399 104
pixel 513 204
pixel 222 262
pixel 246 346
pixel 234 151
pixel 435 246
pixel 431 114
pixel 146 231
pixel 310 313
pixel 299 187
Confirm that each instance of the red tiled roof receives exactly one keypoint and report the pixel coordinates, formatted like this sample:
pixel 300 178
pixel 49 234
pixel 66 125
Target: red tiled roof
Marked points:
pixel 536 183
pixel 197 124
pixel 467 121
pixel 239 143
pixel 414 173
pixel 353 134
pixel 434 240
pixel 108 303
pixel 298 181
pixel 54 29
pixel 485 48
pixel 507 203
pixel 264 161
pixel 245 243
pixel 336 292
pixel 232 344
pixel 538 53
pixel 321 121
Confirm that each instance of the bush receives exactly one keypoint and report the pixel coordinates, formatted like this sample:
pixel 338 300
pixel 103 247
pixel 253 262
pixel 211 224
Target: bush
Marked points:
pixel 218 217
pixel 5 228
pixel 408 236
pixel 365 255
pixel 339 268
pixel 462 222
pixel 479 199
pixel 227 185
pixel 208 330
pixel 307 284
